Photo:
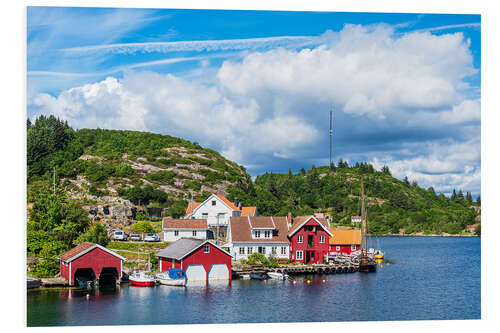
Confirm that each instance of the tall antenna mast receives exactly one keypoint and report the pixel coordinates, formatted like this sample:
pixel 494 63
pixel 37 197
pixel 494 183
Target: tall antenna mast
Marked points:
pixel 331 136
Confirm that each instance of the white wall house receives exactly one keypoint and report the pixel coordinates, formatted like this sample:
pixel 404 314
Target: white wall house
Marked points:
pixel 216 210
pixel 261 234
pixel 175 229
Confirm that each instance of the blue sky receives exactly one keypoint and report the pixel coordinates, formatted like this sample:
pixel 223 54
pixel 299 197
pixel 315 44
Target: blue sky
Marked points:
pixel 257 85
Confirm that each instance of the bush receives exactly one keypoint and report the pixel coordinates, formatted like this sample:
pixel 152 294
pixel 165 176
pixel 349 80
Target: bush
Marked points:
pixel 97 234
pixel 144 227
pixel 257 259
pixel 140 216
pixel 48 267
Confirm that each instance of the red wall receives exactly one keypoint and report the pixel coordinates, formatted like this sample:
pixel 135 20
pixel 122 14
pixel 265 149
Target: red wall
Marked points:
pixel 198 257
pixel 346 249
pixel 64 270
pixel 96 259
pixel 320 249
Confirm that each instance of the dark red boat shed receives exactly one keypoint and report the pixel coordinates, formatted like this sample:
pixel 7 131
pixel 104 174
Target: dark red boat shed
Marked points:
pixel 201 259
pixel 91 261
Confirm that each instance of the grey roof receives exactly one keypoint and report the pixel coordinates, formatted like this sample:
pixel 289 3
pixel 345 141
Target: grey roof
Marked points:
pixel 180 248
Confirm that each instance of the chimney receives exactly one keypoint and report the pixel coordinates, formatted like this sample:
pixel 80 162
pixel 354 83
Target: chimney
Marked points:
pixel 235 202
pixel 289 220
pixel 239 206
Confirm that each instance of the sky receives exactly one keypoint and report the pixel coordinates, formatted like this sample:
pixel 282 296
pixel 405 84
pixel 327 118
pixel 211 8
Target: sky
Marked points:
pixel 258 86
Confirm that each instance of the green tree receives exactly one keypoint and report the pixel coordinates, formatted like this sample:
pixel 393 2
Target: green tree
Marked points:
pixel 144 227
pixel 478 200
pixel 97 234
pixel 407 181
pixel 385 170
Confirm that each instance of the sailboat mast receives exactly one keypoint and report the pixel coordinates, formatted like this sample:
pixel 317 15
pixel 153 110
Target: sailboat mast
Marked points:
pixel 363 249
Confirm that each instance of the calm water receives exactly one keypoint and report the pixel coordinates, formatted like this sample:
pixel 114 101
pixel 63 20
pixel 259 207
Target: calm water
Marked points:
pixel 426 278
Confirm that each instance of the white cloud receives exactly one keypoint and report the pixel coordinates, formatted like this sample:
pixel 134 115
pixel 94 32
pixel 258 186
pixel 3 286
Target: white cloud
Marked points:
pixel 274 104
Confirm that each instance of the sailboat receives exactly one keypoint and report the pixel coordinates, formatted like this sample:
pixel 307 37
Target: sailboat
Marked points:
pixel 366 263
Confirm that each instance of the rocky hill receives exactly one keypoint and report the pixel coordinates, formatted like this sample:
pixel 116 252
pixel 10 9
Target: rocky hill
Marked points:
pixel 116 174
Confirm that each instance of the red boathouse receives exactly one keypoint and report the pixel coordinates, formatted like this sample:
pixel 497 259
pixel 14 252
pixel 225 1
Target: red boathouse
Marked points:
pixel 344 241
pixel 201 259
pixel 91 261
pixel 309 238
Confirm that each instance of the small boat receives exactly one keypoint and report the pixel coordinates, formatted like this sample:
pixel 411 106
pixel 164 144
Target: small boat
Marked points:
pixel 84 283
pixel 378 254
pixel 172 277
pixel 139 278
pixel 367 265
pixel 258 276
pixel 277 276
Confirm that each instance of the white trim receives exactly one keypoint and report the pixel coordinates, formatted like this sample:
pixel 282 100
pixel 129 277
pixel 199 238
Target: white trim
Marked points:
pixel 301 255
pixel 90 249
pixel 203 203
pixel 70 275
pixel 307 220
pixel 121 269
pixel 174 229
pixel 301 239
pixel 161 265
pixel 196 248
pixel 273 223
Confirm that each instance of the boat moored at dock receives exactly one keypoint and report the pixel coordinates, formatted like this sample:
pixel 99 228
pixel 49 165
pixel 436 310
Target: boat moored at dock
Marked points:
pixel 172 277
pixel 139 278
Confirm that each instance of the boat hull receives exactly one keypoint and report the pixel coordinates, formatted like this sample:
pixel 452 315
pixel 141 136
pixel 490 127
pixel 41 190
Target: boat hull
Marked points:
pixel 142 283
pixel 256 276
pixel 277 276
pixel 173 282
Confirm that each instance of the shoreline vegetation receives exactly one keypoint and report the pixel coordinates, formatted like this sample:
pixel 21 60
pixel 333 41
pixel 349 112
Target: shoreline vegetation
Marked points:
pixel 82 184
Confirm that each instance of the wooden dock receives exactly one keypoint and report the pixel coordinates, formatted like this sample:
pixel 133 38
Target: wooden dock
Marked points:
pixel 299 269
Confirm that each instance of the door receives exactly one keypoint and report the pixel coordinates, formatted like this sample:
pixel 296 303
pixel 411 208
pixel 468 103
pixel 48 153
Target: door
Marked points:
pixel 218 272
pixel 196 273
pixel 310 258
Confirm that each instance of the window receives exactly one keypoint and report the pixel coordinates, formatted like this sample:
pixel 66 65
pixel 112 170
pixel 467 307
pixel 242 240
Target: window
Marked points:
pixel 204 215
pixel 299 255
pixel 257 234
pixel 261 249
pixel 206 248
pixel 214 202
pixel 176 232
pixel 273 250
pixel 194 233
pixel 242 250
pixel 337 248
pixel 353 247
pixel 321 238
pixel 267 234
pixel 299 239
pixel 250 250
pixel 283 250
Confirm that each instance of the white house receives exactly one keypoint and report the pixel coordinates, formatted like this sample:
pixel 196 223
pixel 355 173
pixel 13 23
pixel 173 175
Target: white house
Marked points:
pixel 175 229
pixel 217 210
pixel 258 234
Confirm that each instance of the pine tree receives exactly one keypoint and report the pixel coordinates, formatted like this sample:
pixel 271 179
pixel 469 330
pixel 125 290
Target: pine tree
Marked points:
pixel 460 194
pixel 469 197
pixel 478 200
pixel 407 181
pixel 385 169
pixel 454 194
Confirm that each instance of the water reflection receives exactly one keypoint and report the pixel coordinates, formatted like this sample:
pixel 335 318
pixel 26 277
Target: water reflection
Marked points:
pixel 415 283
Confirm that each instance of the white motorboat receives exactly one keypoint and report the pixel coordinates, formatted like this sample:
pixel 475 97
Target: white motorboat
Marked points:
pixel 172 277
pixel 140 278
pixel 277 276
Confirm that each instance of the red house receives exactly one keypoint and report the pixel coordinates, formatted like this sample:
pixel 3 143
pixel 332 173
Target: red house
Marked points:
pixel 309 238
pixel 201 259
pixel 91 261
pixel 344 241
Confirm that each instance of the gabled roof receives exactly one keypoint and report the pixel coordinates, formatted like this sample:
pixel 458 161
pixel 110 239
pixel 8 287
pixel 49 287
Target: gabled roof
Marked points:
pixel 183 247
pixel 191 207
pixel 241 228
pixel 299 221
pixel 248 211
pixel 227 202
pixel 345 237
pixel 169 223
pixel 83 248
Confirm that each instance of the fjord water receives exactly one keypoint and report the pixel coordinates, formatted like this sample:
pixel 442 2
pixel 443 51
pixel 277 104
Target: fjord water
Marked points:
pixel 423 278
